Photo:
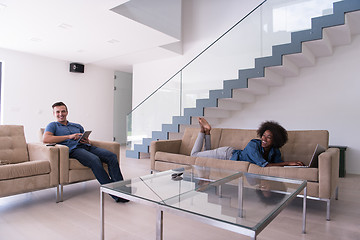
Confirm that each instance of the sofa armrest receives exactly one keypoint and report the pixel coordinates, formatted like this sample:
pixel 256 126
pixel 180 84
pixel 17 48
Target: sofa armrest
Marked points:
pixel 39 151
pixel 169 146
pixel 113 147
pixel 328 172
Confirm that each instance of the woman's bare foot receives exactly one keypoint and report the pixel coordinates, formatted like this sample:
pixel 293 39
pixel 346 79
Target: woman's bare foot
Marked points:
pixel 201 126
pixel 205 125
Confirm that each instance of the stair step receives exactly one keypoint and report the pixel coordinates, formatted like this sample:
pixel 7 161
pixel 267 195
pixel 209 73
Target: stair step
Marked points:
pixel 320 48
pixel 229 104
pixel 339 35
pixel 243 96
pixel 132 154
pixel 352 19
pixel 181 120
pixel 216 113
pixel 141 148
pixel 304 59
pixel 170 127
pixel 270 79
pixel 287 69
pixel 159 135
pixel 147 141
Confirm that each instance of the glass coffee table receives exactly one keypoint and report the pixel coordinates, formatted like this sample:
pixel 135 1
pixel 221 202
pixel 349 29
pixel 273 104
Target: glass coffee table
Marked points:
pixel 240 202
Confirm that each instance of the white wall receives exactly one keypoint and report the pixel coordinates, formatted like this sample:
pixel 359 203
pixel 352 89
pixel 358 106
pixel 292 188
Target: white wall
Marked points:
pixel 321 97
pixel 31 84
pixel 122 104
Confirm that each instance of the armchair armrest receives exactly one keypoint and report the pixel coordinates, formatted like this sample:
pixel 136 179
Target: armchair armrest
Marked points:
pixel 328 172
pixel 111 146
pixel 170 146
pixel 64 163
pixel 39 151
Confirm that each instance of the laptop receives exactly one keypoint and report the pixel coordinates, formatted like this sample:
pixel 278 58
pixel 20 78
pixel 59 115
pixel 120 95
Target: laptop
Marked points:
pixel 314 159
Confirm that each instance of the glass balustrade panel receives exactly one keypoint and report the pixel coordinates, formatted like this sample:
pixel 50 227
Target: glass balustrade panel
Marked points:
pixel 153 112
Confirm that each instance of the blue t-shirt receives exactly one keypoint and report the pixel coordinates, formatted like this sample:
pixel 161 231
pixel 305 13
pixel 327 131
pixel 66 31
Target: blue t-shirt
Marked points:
pixel 59 129
pixel 253 153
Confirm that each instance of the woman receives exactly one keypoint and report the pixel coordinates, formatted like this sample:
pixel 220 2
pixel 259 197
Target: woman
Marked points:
pixel 263 152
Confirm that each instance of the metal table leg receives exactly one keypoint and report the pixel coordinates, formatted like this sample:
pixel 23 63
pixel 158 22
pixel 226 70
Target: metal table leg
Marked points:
pixel 159 224
pixel 102 214
pixel 304 210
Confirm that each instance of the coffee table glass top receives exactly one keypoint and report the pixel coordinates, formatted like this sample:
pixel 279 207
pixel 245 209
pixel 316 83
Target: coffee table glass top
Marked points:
pixel 243 199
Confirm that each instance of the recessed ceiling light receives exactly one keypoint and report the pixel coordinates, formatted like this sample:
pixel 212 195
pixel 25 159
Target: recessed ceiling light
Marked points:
pixel 65 26
pixel 34 39
pixel 2 7
pixel 113 41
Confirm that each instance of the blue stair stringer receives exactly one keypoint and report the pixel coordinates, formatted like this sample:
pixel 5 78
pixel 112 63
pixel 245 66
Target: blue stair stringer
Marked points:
pixel 295 46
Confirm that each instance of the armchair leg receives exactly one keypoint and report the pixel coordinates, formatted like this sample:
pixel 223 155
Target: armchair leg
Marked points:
pixel 328 209
pixel 57 194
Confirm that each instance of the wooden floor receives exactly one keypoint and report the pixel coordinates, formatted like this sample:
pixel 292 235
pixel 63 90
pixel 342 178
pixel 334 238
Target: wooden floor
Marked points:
pixel 37 216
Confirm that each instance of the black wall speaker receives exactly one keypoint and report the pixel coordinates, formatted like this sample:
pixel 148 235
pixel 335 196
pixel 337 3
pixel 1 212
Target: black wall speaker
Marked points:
pixel 77 67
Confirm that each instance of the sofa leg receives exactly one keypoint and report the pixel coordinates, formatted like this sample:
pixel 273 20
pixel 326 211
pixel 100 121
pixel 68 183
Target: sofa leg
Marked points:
pixel 328 209
pixel 61 193
pixel 337 193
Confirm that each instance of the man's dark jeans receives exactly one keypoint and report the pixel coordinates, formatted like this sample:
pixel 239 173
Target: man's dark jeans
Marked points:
pixel 93 157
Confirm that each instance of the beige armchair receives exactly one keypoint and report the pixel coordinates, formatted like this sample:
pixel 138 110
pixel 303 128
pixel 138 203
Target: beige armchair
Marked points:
pixel 71 170
pixel 25 167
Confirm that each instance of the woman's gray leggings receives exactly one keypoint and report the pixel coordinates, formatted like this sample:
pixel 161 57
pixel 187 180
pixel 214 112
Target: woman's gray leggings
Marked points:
pixel 219 153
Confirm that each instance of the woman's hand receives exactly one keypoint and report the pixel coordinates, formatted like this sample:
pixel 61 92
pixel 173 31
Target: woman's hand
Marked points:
pixel 295 164
pixel 285 164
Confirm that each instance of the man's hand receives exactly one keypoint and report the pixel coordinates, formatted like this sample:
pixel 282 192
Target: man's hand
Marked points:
pixel 85 141
pixel 75 136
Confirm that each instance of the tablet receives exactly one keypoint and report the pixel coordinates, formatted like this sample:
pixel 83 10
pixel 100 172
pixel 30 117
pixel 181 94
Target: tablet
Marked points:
pixel 86 134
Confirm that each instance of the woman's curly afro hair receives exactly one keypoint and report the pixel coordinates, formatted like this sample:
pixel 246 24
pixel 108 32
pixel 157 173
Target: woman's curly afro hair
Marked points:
pixel 280 135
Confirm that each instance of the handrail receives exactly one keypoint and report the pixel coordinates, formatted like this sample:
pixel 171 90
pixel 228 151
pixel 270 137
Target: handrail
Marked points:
pixel 222 35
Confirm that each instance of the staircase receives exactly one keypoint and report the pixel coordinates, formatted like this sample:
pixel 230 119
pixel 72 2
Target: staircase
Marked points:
pixel 326 33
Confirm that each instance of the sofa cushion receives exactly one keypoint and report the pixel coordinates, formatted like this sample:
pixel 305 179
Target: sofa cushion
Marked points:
pixel 310 174
pixel 301 144
pixel 190 136
pixel 237 138
pixel 239 166
pixel 12 144
pixel 25 169
pixel 175 158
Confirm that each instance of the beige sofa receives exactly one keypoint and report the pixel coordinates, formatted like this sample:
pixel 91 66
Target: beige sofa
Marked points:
pixel 322 181
pixel 71 170
pixel 25 167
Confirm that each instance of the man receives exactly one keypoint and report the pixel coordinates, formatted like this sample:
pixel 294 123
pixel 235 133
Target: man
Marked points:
pixel 67 133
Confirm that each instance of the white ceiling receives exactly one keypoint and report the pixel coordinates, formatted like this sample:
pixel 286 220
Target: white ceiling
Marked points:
pixel 84 31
